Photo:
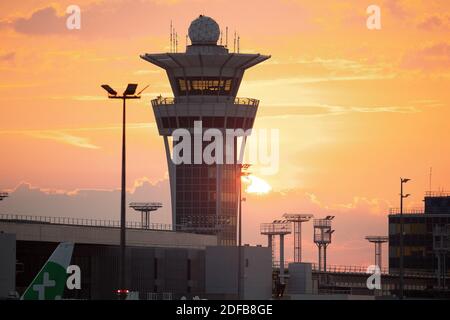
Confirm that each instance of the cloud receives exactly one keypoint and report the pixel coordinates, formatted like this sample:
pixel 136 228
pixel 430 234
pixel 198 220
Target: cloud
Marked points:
pixel 434 57
pixel 26 199
pixel 396 8
pixel 145 72
pixel 8 57
pixel 64 138
pixel 63 135
pixel 318 79
pixel 131 18
pixel 434 23
pixel 42 21
pixel 282 111
pixel 353 220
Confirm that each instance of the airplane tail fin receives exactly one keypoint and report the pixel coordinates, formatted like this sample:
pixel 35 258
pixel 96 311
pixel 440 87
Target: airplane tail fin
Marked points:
pixel 50 282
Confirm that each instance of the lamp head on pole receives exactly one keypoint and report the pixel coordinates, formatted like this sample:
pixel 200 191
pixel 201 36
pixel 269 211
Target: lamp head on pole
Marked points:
pixel 110 90
pixel 404 180
pixel 129 93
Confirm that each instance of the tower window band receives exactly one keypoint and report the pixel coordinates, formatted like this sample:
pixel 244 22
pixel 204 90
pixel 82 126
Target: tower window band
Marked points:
pixel 205 85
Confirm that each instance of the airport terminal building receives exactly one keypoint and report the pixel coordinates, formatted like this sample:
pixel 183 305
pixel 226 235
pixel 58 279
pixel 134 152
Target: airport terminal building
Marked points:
pixel 420 235
pixel 161 264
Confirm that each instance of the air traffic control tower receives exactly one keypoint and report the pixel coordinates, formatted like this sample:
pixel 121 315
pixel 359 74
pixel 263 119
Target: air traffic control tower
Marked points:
pixel 205 81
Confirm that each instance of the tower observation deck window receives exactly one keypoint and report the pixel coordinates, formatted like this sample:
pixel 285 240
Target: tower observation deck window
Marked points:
pixel 205 85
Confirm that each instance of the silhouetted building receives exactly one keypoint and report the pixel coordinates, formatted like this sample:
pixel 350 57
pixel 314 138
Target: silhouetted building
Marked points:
pixel 205 81
pixel 160 264
pixel 419 224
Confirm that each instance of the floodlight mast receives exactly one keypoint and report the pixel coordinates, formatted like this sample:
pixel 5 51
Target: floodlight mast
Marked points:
pixel 378 242
pixel 129 93
pixel 145 208
pixel 243 172
pixel 277 228
pixel 322 238
pixel 402 247
pixel 297 220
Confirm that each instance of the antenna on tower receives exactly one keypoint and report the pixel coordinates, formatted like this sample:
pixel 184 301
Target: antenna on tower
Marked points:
pixel 186 40
pixel 221 34
pixel 176 41
pixel 173 40
pixel 226 37
pixel 238 43
pixel 171 36
pixel 234 42
pixel 431 172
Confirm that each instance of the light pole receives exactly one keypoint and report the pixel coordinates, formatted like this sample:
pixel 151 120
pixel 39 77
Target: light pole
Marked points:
pixel 402 253
pixel 129 93
pixel 242 173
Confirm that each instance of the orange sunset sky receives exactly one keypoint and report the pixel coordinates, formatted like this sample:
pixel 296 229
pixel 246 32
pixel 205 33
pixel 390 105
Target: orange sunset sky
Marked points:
pixel 356 109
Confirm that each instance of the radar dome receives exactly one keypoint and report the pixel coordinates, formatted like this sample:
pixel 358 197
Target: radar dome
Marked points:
pixel 204 30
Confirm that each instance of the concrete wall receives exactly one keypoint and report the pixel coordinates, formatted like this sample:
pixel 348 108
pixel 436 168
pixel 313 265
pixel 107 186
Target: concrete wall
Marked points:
pixel 300 278
pixel 105 235
pixel 7 264
pixel 221 272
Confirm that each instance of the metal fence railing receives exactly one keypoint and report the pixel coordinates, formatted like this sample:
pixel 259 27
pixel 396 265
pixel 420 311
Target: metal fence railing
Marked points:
pixel 437 194
pixel 407 210
pixel 82 222
pixel 357 270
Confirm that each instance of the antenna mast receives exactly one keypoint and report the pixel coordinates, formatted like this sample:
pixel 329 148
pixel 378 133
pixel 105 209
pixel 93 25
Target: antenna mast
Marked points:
pixel 171 36
pixel 238 43
pixel 226 37
pixel 431 172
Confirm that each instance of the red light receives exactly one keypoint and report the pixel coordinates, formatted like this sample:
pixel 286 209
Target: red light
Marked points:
pixel 120 291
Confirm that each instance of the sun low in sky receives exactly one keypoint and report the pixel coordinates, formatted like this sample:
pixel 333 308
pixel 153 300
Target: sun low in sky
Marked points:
pixel 355 108
pixel 256 185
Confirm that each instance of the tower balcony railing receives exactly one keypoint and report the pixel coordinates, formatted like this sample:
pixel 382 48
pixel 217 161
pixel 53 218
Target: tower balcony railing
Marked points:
pixel 165 101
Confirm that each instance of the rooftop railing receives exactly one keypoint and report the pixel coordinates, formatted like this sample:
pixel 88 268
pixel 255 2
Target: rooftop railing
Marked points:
pixel 161 101
pixel 357 270
pixel 275 228
pixel 437 194
pixel 407 210
pixel 82 222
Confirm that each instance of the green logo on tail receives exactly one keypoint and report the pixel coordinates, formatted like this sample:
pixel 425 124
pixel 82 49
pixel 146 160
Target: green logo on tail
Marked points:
pixel 50 282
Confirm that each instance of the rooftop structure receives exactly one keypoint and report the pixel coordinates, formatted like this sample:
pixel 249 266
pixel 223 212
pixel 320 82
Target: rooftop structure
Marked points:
pixel 419 226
